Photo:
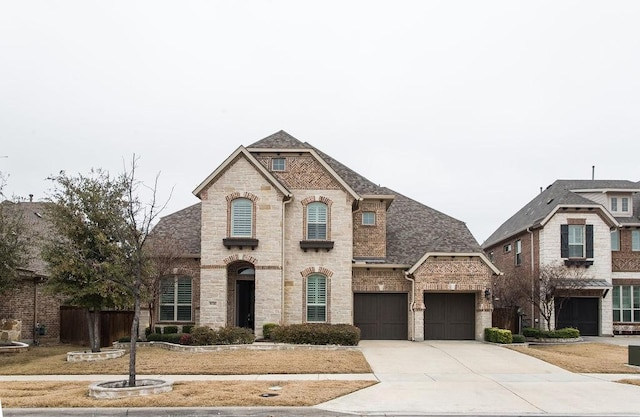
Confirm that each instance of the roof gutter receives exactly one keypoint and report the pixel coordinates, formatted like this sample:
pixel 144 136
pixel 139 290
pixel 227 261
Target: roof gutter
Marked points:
pixel 410 278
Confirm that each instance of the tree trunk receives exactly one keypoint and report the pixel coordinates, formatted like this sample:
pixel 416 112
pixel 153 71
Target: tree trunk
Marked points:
pixel 134 334
pixel 94 329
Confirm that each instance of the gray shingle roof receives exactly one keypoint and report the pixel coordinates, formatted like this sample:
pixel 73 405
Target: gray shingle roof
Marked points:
pixel 36 228
pixel 544 203
pixel 182 228
pixel 413 229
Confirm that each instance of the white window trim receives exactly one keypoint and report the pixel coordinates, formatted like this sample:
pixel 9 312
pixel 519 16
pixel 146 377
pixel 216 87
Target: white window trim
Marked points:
pixel 583 238
pixel 518 256
pixel 176 302
pixel 615 234
pixel 373 217
pixel 317 304
pixel 316 220
pixel 278 169
pixel 239 230
pixel 632 309
pixel 635 240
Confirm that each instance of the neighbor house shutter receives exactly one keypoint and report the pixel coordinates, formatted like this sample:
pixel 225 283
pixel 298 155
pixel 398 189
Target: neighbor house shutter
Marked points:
pixel 589 240
pixel 564 240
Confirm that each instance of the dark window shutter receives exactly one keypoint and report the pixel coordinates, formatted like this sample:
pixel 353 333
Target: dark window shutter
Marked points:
pixel 564 240
pixel 589 240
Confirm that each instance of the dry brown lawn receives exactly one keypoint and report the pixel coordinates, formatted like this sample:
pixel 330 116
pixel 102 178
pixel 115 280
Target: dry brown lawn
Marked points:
pixel 151 361
pixel 51 360
pixel 598 358
pixel 184 394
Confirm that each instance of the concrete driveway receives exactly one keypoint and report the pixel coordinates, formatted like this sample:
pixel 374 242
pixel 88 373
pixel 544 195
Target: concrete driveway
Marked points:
pixel 468 377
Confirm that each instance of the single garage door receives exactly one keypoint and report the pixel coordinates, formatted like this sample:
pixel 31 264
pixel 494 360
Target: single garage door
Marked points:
pixel 580 313
pixel 449 316
pixel 381 316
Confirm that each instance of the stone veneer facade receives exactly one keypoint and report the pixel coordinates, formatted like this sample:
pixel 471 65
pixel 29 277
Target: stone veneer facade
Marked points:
pixel 281 266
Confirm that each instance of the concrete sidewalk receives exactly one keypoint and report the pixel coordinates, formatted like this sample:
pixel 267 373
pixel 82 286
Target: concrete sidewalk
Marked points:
pixel 476 378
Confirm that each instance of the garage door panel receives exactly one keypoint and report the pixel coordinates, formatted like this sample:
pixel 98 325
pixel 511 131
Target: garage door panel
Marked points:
pixel 449 316
pixel 381 316
pixel 580 313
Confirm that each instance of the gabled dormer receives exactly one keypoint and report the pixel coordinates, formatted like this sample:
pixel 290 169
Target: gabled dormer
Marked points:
pixel 615 195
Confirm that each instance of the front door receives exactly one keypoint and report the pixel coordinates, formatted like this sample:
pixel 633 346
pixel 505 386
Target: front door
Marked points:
pixel 245 303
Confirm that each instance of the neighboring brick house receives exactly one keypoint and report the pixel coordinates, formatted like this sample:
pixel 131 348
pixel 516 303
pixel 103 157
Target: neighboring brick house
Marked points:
pixel 286 234
pixel 29 303
pixel 590 224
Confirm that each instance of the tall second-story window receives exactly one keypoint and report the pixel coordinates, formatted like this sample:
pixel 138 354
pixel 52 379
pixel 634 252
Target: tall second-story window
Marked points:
pixel 241 217
pixel 317 221
pixel 576 241
pixel 518 252
pixel 625 204
pixel 615 240
pixel 635 240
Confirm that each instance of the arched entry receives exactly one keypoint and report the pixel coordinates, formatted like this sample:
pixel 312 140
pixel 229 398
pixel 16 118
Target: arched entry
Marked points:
pixel 241 285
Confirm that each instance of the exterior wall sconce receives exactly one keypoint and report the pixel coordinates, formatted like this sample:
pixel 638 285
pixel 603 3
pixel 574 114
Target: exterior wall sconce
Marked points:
pixel 487 293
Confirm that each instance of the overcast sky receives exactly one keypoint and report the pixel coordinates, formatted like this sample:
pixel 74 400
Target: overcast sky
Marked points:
pixel 466 106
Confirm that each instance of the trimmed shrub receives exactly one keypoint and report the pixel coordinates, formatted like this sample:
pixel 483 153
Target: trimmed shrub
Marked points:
pixel 495 335
pixel 518 338
pixel 170 329
pixel 169 337
pixel 267 328
pixel 187 328
pixel 566 333
pixel 317 334
pixel 147 331
pixel 233 336
pixel 158 330
pixel 202 335
pixel 186 339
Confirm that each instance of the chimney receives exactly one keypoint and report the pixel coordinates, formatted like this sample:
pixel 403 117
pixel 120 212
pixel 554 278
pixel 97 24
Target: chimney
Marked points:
pixel 31 198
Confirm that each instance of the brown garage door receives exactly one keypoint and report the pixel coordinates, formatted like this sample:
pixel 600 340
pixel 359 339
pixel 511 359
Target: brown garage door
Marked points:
pixel 449 316
pixel 381 316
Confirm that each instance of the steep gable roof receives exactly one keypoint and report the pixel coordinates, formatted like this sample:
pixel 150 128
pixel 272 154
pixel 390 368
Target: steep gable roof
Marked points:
pixel 240 153
pixel 413 228
pixel 557 194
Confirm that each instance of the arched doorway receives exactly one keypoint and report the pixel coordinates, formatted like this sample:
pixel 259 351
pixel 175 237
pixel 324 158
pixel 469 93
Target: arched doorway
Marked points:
pixel 242 294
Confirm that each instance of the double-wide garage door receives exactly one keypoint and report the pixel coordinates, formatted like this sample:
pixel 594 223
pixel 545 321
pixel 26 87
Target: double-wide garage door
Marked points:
pixel 449 316
pixel 381 316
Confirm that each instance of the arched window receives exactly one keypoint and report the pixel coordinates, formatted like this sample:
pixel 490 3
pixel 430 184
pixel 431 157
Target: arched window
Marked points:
pixel 175 299
pixel 241 217
pixel 316 298
pixel 317 221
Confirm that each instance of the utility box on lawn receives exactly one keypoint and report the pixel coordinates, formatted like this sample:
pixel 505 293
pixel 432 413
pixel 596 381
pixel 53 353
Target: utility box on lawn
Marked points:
pixel 634 355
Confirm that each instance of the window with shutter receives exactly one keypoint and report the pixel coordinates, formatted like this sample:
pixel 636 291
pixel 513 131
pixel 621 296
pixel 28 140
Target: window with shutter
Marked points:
pixel 175 299
pixel 316 298
pixel 241 217
pixel 317 221
pixel 576 241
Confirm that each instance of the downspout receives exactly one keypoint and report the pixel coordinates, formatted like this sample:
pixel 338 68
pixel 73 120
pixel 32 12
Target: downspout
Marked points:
pixel 282 260
pixel 532 277
pixel 413 303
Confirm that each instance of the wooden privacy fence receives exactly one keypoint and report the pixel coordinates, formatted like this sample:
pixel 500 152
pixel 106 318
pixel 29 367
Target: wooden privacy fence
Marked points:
pixel 74 328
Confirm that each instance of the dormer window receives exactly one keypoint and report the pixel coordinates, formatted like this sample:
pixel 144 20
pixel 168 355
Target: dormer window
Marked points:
pixel 619 205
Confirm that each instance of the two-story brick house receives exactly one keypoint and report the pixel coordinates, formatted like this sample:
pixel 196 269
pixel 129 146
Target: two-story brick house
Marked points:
pixel 286 234
pixel 590 224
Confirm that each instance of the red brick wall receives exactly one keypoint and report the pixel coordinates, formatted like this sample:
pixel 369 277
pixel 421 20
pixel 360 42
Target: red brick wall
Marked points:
pixel 20 304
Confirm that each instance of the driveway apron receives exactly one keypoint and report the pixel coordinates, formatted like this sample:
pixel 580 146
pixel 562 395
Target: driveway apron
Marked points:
pixel 469 377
